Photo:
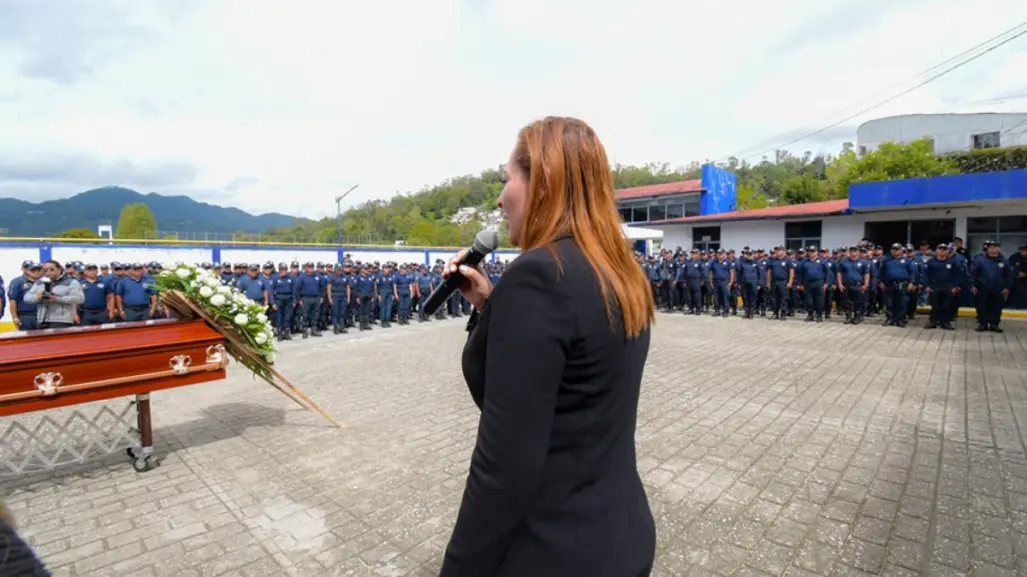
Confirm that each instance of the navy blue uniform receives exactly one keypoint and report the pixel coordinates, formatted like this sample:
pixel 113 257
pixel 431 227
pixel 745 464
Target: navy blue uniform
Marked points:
pixel 854 273
pixel 254 288
pixel 897 275
pixel 308 295
pixel 26 312
pixel 992 277
pixel 283 290
pixel 386 294
pixel 748 275
pixel 691 274
pixel 720 278
pixel 339 288
pixel 812 277
pixel 93 310
pixel 424 288
pixel 943 280
pixel 135 298
pixel 403 282
pixel 365 292
pixel 779 270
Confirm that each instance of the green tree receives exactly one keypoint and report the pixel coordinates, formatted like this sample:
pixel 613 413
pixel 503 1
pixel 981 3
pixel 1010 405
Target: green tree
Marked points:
pixel 749 198
pixel 423 233
pixel 136 222
pixel 78 233
pixel 890 161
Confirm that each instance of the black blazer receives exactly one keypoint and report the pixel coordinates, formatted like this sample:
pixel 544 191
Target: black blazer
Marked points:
pixel 553 488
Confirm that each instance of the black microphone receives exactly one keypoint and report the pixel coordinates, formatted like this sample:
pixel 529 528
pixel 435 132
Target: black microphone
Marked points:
pixel 484 243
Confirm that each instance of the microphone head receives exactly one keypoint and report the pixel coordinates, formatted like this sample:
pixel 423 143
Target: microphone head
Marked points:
pixel 486 241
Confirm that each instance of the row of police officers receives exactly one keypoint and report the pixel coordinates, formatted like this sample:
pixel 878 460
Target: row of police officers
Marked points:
pixel 305 300
pixel 859 281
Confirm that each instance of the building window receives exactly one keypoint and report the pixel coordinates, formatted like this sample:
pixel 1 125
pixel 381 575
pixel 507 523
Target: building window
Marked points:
pixel 692 207
pixel 657 212
pixel 862 150
pixel 706 237
pixel 640 214
pixel 1011 231
pixel 625 214
pixel 675 210
pixel 800 235
pixel 986 140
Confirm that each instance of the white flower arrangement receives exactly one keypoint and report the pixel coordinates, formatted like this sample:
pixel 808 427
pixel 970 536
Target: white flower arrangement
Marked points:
pixel 203 287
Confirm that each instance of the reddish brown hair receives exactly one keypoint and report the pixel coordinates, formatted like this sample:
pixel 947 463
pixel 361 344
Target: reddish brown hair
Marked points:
pixel 570 192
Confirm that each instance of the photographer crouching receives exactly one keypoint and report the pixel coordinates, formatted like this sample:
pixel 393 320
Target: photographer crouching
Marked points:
pixel 56 297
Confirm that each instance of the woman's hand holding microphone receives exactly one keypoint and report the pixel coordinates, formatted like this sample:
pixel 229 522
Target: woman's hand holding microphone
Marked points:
pixel 476 287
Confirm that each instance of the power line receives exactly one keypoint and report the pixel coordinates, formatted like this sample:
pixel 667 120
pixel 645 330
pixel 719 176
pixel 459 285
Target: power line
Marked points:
pixel 931 78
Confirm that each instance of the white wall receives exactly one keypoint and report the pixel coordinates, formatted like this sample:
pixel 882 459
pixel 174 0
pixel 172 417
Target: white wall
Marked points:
pixel 10 268
pixel 950 132
pixel 287 255
pixel 765 234
pixel 109 253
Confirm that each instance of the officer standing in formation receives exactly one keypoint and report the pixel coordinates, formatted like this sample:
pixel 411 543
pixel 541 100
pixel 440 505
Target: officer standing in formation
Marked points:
pixel 858 280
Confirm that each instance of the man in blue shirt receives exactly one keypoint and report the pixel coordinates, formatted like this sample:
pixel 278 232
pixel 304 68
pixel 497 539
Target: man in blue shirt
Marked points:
pixel 94 309
pixel 403 291
pixel 896 282
pixel 22 313
pixel 283 290
pixel 387 295
pixel 425 284
pixel 812 278
pixel 365 289
pixel 135 297
pixel 722 275
pixel 780 280
pixel 853 276
pixel 338 299
pixel 748 278
pixel 308 295
pixel 991 278
pixel 942 280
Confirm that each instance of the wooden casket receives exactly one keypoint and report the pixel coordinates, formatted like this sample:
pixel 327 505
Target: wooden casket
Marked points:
pixel 47 369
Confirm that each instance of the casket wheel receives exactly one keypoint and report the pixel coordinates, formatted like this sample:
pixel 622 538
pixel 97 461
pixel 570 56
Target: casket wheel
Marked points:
pixel 143 464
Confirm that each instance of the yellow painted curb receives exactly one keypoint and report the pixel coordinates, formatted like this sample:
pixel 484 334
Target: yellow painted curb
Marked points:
pixel 8 326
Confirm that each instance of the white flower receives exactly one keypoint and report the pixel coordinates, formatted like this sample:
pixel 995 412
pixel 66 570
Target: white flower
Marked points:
pixel 217 300
pixel 206 292
pixel 192 284
pixel 167 272
pixel 224 290
pixel 210 281
pixel 269 357
pixel 261 338
pixel 183 273
pixel 241 319
pixel 261 318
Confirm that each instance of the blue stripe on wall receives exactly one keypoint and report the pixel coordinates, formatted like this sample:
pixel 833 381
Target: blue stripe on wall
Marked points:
pixel 215 254
pixel 45 253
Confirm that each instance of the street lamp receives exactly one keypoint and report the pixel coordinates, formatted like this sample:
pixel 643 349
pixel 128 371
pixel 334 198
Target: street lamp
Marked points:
pixel 338 213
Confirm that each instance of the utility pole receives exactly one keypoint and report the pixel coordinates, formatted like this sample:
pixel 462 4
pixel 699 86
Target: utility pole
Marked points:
pixel 338 213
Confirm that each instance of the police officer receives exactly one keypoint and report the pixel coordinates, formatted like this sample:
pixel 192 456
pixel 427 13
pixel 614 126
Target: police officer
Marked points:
pixel 812 278
pixel 387 295
pixel 338 299
pixel 135 297
pixel 403 292
pixel 896 283
pixel 308 296
pixel 366 291
pixel 95 309
pixel 425 284
pixel 436 278
pixel 853 277
pixel 690 276
pixel 942 279
pixel 22 313
pixel 780 280
pixel 283 291
pixel 991 278
pixel 722 276
pixel 748 275
pixel 829 281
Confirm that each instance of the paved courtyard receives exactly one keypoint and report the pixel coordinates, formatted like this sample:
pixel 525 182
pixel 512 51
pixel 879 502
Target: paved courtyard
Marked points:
pixel 767 449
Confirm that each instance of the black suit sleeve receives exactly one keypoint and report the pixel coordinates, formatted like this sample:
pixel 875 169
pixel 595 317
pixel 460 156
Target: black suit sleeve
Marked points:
pixel 529 334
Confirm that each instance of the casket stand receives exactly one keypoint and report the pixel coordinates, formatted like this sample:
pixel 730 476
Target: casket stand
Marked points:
pixel 47 369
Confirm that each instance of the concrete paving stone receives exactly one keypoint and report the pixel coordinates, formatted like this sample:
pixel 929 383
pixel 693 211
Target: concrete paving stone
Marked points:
pixel 802 451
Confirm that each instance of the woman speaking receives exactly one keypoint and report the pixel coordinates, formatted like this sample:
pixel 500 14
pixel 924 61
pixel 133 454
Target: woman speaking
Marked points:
pixel 554 361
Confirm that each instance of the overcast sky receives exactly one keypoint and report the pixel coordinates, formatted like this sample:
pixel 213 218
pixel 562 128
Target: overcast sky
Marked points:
pixel 277 106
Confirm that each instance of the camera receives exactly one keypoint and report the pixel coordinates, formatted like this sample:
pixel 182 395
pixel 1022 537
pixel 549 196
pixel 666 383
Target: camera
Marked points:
pixel 46 285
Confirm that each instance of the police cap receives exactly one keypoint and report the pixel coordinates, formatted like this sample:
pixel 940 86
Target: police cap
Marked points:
pixel 853 247
pixel 308 263
pixel 896 246
pixel 136 265
pixel 26 264
pixel 909 247
pixel 811 248
pixel 254 266
pixel 89 266
pixel 104 267
pixel 320 264
pixel 721 251
pixel 942 246
pixel 155 264
pixel 695 251
pixel 996 243
pixel 34 265
pixel 295 264
pixel 226 264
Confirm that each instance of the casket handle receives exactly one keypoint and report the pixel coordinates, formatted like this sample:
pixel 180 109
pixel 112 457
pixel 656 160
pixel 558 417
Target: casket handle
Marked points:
pixel 47 383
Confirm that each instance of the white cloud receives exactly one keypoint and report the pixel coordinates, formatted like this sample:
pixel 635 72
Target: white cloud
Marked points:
pixel 277 106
